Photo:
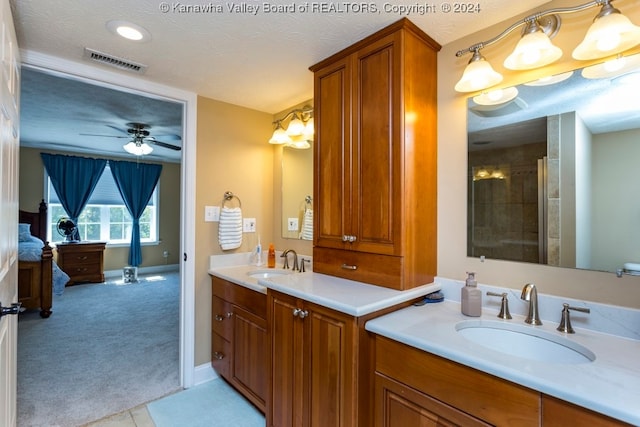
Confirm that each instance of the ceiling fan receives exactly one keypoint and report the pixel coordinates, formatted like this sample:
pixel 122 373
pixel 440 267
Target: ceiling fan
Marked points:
pixel 140 139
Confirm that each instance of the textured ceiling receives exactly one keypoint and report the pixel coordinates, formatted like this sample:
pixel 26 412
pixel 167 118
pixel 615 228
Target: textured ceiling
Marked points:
pixel 258 61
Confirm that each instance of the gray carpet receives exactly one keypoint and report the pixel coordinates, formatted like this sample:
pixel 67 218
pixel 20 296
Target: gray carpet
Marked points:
pixel 106 348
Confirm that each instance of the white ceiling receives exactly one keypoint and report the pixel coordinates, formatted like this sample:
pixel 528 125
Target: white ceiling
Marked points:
pixel 257 61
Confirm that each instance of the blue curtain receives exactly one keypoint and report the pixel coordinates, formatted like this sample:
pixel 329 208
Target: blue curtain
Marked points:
pixel 136 182
pixel 74 179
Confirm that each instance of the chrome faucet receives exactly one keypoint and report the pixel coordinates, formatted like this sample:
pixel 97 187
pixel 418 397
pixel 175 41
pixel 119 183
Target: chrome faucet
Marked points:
pixel 530 293
pixel 285 254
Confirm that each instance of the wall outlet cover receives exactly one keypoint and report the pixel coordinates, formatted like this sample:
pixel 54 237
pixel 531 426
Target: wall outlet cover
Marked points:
pixel 292 224
pixel 249 225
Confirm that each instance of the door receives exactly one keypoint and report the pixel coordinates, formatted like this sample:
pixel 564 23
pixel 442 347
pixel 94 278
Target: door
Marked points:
pixel 9 127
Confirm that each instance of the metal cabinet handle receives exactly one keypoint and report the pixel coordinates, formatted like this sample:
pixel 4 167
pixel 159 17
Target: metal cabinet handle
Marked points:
pixel 218 355
pixel 349 238
pixel 300 313
pixel 220 317
pixel 349 267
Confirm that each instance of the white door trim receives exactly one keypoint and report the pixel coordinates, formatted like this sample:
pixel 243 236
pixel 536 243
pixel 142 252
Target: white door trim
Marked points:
pixel 133 84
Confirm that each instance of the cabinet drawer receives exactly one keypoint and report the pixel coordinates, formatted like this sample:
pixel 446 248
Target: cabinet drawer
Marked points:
pixel 222 318
pixel 252 301
pixel 82 258
pixel 381 270
pixel 221 355
pixel 400 406
pixel 481 395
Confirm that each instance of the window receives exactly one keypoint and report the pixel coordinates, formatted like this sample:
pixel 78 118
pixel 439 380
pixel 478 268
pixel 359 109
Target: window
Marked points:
pixel 105 217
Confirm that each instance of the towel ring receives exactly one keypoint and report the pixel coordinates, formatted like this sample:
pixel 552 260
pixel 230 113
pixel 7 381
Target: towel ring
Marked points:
pixel 228 196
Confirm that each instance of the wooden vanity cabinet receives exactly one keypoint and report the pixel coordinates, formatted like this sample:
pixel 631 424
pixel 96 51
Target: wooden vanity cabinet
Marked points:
pixel 413 387
pixel 239 339
pixel 375 159
pixel 312 364
pixel 559 413
pixel 321 364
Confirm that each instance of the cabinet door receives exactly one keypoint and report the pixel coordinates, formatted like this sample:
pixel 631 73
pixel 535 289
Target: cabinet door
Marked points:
pixel 249 365
pixel 332 117
pixel 330 367
pixel 376 168
pixel 287 400
pixel 400 406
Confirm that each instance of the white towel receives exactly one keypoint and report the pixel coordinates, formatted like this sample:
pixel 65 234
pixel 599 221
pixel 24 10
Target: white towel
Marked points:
pixel 307 225
pixel 230 228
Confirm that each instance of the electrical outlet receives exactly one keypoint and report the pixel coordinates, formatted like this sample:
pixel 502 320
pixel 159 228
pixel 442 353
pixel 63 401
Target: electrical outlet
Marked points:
pixel 249 225
pixel 292 224
pixel 165 254
pixel 211 213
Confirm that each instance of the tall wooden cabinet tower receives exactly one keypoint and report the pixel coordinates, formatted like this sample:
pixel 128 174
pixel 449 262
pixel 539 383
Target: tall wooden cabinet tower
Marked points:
pixel 375 159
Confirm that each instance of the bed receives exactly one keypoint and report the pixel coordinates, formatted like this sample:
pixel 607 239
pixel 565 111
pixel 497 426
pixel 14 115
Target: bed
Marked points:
pixel 38 275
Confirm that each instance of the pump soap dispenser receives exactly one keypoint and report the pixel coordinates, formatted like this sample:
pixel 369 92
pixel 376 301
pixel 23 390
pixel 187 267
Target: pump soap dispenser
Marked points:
pixel 471 297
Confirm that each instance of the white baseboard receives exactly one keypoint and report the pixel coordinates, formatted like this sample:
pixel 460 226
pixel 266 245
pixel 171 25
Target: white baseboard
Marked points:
pixel 204 373
pixel 145 270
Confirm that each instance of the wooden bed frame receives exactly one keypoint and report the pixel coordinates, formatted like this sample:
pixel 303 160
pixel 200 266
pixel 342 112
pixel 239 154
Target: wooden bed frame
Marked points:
pixel 35 287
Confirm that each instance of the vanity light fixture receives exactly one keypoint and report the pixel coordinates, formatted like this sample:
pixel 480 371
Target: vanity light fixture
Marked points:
pixel 535 49
pixel 610 33
pixel 550 80
pixel 612 68
pixel 299 131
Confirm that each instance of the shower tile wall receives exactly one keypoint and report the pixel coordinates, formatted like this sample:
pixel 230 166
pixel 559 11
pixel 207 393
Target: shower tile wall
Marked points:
pixel 503 219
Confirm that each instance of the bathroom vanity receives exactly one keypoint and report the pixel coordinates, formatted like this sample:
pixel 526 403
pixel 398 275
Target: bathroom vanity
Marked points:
pixel 346 353
pixel 306 340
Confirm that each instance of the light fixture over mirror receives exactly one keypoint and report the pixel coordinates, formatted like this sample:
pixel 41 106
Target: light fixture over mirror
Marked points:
pixel 611 33
pixel 299 131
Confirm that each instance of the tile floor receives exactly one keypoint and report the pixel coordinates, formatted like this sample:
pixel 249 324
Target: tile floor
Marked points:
pixel 136 417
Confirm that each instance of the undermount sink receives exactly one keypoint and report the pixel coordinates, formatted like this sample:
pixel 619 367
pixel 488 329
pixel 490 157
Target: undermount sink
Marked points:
pixel 523 341
pixel 267 273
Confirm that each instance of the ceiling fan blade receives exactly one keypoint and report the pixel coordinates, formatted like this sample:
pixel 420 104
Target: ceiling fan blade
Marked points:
pixel 106 136
pixel 163 144
pixel 171 137
pixel 118 129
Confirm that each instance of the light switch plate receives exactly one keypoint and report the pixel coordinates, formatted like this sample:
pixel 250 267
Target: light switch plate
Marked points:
pixel 249 225
pixel 292 224
pixel 211 213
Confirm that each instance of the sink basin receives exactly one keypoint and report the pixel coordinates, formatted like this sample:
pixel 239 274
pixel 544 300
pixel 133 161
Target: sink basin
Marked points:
pixel 267 273
pixel 524 341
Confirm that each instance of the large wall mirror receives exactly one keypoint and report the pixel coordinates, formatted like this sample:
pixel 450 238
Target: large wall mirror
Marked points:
pixel 297 193
pixel 554 170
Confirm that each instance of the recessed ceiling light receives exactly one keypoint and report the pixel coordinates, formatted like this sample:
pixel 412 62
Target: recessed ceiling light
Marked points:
pixel 129 30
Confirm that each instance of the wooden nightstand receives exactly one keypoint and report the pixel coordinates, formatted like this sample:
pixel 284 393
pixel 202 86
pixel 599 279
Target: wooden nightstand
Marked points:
pixel 83 261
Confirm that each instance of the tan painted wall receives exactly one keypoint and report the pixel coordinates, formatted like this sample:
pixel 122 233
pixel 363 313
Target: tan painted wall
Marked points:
pixel 452 161
pixel 32 190
pixel 233 154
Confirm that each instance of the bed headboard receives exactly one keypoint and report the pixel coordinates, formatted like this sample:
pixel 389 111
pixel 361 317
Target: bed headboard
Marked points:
pixel 38 221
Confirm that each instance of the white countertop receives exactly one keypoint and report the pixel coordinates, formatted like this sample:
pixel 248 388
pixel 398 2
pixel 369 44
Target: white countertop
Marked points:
pixel 610 384
pixel 346 296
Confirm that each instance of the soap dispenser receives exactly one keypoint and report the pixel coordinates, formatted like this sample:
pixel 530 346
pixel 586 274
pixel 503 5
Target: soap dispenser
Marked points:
pixel 271 256
pixel 471 297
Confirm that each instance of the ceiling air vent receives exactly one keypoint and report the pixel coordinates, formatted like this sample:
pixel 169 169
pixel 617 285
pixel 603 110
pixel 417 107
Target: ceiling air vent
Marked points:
pixel 114 61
